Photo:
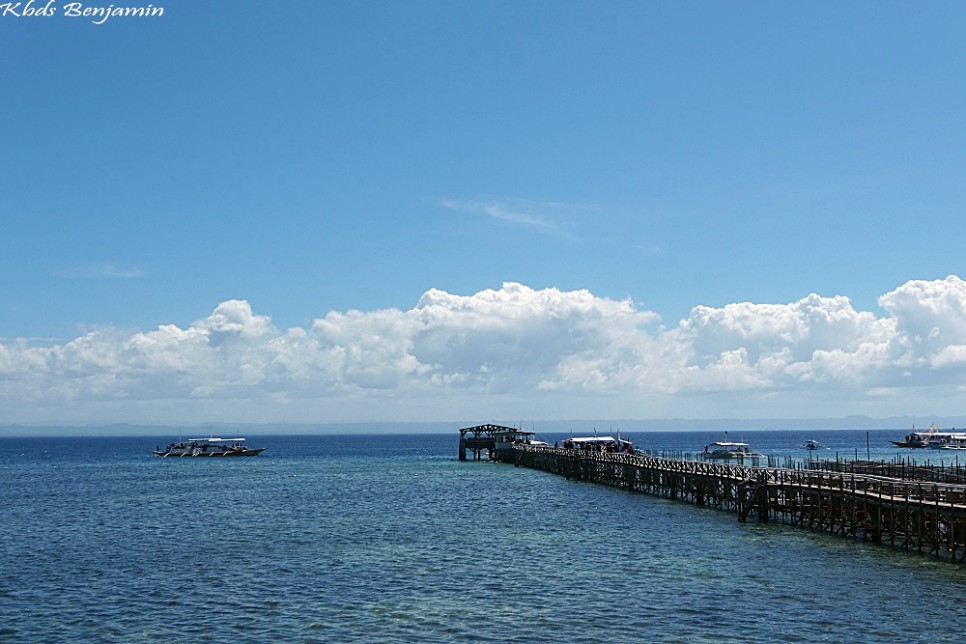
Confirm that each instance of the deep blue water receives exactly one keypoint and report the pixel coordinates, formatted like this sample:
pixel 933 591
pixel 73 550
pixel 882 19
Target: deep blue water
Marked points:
pixel 390 538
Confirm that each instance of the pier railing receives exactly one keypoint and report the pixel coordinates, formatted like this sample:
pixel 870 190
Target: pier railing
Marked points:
pixel 900 469
pixel 868 502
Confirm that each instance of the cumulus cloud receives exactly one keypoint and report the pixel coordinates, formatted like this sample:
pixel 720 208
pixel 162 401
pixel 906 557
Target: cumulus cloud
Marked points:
pixel 930 321
pixel 546 347
pixel 816 339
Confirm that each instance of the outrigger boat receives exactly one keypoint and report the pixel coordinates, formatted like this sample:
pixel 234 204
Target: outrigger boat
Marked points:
pixel 727 450
pixel 913 440
pixel 600 444
pixel 200 447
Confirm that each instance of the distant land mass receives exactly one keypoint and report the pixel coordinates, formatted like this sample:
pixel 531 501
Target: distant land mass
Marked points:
pixel 440 427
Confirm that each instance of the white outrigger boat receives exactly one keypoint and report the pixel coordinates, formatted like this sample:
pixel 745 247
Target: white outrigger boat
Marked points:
pixel 210 447
pixel 600 444
pixel 727 450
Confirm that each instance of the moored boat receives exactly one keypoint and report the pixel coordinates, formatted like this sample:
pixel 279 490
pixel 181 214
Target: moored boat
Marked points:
pixel 728 450
pixel 931 438
pixel 600 444
pixel 912 440
pixel 208 447
pixel 955 441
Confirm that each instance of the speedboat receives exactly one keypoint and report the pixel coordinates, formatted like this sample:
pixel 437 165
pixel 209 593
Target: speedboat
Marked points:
pixel 812 445
pixel 201 447
pixel 727 450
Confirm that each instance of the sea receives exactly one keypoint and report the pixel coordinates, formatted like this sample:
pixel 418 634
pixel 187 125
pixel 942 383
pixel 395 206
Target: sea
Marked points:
pixel 390 538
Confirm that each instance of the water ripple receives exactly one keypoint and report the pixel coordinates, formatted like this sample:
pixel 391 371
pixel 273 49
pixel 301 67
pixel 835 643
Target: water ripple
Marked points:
pixel 420 548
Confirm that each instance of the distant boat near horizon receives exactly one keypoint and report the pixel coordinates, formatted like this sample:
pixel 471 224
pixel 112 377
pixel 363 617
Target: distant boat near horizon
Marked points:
pixel 208 447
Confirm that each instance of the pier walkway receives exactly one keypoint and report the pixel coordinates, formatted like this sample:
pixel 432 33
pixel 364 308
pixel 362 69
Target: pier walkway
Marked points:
pixel 908 515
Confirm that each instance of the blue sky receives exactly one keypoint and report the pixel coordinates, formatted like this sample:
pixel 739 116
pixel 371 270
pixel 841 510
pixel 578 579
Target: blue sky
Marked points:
pixel 306 170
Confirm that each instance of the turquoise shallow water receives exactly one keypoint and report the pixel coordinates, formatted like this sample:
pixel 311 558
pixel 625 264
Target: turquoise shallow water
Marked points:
pixel 390 538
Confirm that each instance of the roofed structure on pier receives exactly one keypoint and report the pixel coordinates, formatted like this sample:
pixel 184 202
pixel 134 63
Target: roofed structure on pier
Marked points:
pixel 488 437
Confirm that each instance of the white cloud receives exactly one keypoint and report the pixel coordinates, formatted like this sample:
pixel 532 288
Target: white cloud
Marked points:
pixel 930 317
pixel 508 352
pixel 529 214
pixel 817 340
pixel 102 271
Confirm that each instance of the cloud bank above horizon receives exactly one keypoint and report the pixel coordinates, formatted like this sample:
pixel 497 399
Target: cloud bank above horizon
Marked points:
pixel 516 352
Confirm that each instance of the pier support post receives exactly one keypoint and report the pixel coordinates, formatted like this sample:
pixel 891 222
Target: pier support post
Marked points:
pixel 762 502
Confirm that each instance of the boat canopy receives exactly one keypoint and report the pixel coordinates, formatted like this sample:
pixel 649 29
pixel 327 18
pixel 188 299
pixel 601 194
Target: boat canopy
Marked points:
pixel 728 444
pixel 593 439
pixel 217 440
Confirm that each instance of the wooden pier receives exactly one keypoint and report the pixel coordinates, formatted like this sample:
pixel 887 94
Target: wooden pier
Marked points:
pixel 927 517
